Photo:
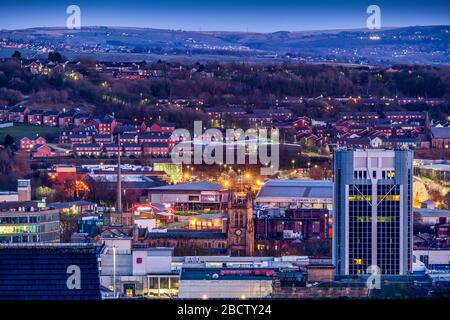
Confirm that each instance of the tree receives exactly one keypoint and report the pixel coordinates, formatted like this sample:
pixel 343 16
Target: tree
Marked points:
pixel 45 192
pixel 9 140
pixel 16 55
pixel 68 224
pixel 55 56
pixel 446 201
pixel 316 173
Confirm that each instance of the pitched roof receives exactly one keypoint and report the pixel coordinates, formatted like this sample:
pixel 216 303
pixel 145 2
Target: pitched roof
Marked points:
pixel 86 145
pixel 38 146
pixel 35 112
pixel 442 133
pixel 154 135
pixel 155 145
pixel 296 189
pixel 131 145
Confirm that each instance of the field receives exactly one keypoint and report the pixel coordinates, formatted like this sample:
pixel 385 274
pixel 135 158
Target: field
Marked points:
pixel 49 133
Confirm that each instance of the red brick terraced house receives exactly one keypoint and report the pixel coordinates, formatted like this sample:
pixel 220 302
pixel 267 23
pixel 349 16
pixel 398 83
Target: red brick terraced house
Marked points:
pixel 162 127
pixel 65 120
pixel 112 149
pixel 105 126
pixel 153 137
pixel 28 142
pixel 156 149
pixel 132 149
pixel 79 138
pixel 128 138
pixel 87 149
pixel 41 151
pixel 102 139
pixel 34 117
pixel 18 114
pixel 81 119
pixel 50 118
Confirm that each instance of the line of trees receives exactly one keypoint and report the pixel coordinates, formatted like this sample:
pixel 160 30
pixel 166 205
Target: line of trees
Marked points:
pixel 245 84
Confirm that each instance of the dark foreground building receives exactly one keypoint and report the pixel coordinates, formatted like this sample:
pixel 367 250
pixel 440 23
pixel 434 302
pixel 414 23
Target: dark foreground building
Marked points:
pixel 49 272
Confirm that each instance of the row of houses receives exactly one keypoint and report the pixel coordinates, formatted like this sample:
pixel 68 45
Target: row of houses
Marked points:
pixel 38 148
pixel 129 149
pixel 384 100
pixel 23 114
pixel 389 115
pixel 107 137
pixel 360 129
pixel 256 116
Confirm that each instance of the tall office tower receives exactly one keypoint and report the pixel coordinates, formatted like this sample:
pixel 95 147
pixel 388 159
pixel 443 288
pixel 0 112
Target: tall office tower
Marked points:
pixel 372 218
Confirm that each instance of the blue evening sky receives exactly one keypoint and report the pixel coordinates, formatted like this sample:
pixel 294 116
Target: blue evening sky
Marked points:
pixel 229 15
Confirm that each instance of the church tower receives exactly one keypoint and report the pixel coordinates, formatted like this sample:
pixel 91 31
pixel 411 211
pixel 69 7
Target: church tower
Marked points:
pixel 240 233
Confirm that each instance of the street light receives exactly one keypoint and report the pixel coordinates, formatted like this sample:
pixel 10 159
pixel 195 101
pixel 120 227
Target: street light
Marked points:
pixel 114 270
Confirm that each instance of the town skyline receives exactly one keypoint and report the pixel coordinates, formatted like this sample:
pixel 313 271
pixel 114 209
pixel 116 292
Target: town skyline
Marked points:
pixel 247 16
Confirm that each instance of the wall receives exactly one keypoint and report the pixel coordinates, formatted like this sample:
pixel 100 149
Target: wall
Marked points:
pixel 434 256
pixel 198 289
pixel 153 261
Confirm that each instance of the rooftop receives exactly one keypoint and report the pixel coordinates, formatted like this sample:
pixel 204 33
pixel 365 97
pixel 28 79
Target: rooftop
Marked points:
pixel 443 133
pixel 425 212
pixel 226 274
pixel 186 234
pixel 69 204
pixel 112 177
pixel 322 189
pixel 195 186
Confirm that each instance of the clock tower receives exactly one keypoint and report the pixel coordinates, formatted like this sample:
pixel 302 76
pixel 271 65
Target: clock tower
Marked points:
pixel 241 234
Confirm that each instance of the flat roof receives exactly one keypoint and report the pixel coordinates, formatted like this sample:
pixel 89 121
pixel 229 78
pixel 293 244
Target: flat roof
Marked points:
pixel 439 132
pixel 292 189
pixel 112 177
pixel 186 234
pixel 195 186
pixel 62 205
pixel 437 166
pixel 425 212
pixel 216 274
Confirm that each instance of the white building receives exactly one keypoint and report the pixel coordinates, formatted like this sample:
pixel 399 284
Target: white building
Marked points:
pixel 432 216
pixel 296 193
pixel 434 259
pixel 240 283
pixel 155 273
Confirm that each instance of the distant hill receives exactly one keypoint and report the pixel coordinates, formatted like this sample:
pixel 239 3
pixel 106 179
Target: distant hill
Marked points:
pixel 414 45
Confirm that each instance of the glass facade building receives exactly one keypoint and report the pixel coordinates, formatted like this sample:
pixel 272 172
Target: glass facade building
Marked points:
pixel 372 223
pixel 28 222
